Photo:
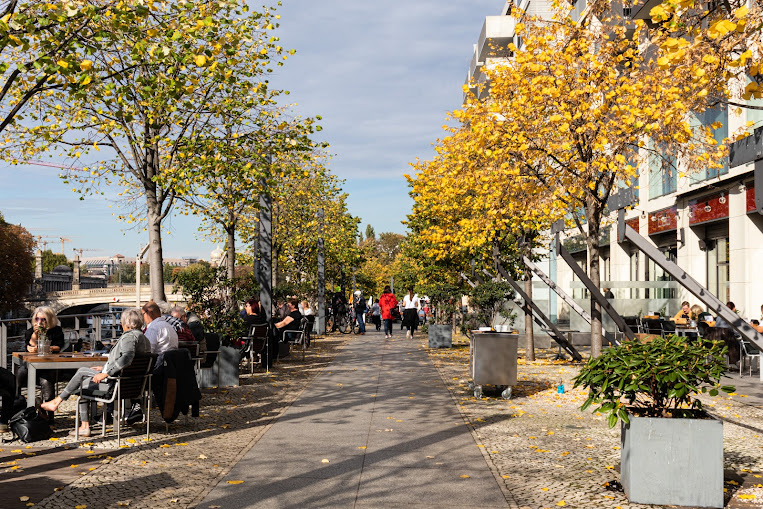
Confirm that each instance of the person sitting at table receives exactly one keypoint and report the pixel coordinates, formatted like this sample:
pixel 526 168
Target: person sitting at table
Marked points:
pixel 159 332
pixel 129 344
pixel 720 322
pixel 254 314
pixel 291 321
pixel 685 314
pixel 306 310
pixel 7 393
pixel 45 320
pixel 696 311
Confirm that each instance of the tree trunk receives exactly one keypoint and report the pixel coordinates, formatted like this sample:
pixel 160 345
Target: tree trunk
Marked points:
pixel 155 258
pixel 154 216
pixel 231 261
pixel 594 218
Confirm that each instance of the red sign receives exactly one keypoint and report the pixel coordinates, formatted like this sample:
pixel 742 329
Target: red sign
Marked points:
pixel 710 208
pixel 751 198
pixel 664 220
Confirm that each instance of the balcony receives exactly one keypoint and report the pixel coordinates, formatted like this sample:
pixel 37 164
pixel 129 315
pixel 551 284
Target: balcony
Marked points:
pixel 497 33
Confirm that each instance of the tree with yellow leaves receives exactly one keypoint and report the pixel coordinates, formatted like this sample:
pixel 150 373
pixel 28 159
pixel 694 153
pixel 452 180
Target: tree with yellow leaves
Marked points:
pixel 568 120
pixel 39 39
pixel 177 71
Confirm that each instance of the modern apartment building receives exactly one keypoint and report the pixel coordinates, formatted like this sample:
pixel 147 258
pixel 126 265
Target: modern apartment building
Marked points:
pixel 710 222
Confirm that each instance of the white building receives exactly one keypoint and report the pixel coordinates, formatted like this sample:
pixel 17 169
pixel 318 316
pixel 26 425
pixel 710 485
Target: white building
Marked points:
pixel 709 222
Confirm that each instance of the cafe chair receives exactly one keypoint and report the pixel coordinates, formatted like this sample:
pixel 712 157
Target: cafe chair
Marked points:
pixel 255 343
pixel 668 327
pixel 194 349
pixel 299 336
pixel 652 326
pixel 133 382
pixel 634 324
pixel 748 353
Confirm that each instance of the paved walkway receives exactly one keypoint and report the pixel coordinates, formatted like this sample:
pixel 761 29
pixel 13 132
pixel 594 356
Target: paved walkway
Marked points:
pixel 377 428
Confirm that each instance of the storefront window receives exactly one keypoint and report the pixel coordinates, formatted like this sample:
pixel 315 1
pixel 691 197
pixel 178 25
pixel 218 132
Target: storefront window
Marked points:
pixel 718 269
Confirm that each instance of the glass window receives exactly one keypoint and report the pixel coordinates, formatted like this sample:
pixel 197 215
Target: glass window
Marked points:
pixel 718 269
pixel 663 173
pixel 657 273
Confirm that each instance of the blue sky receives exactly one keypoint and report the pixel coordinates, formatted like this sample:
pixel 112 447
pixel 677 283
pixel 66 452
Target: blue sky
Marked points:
pixel 382 76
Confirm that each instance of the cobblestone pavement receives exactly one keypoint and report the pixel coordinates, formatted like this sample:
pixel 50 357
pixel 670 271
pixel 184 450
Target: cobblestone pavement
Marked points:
pixel 178 467
pixel 550 454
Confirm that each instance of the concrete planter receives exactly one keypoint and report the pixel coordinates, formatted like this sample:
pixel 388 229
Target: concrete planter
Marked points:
pixel 672 461
pixel 228 360
pixel 494 360
pixel 440 336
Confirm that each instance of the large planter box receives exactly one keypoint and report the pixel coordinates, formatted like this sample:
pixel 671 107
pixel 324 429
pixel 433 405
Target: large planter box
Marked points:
pixel 672 461
pixel 494 358
pixel 440 336
pixel 228 361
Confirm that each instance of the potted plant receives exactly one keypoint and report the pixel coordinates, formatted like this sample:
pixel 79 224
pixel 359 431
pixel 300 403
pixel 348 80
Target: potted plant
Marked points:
pixel 671 449
pixel 215 299
pixel 488 301
pixel 445 299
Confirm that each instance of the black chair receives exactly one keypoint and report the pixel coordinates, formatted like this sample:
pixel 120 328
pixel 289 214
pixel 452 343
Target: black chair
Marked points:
pixel 634 324
pixel 703 329
pixel 310 329
pixel 652 326
pixel 133 382
pixel 255 344
pixel 748 353
pixel 668 327
pixel 298 336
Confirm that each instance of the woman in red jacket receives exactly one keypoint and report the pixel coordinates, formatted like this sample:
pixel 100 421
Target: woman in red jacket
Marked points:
pixel 387 302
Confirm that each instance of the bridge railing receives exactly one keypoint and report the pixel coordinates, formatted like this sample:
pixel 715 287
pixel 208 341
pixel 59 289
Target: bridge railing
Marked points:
pixel 85 326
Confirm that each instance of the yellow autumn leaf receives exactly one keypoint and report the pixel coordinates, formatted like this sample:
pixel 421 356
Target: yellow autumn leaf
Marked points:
pixel 234 482
pixel 561 503
pixel 63 63
pixel 200 60
pixel 86 65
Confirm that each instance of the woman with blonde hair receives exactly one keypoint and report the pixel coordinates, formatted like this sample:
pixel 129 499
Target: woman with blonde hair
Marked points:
pixel 44 325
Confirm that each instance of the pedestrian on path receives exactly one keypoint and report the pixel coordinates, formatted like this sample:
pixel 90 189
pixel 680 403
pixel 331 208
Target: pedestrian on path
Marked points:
pixel 376 314
pixel 387 303
pixel 359 308
pixel 411 306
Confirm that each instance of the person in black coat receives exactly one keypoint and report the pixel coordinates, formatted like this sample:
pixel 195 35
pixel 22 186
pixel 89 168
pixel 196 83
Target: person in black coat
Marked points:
pixel 44 322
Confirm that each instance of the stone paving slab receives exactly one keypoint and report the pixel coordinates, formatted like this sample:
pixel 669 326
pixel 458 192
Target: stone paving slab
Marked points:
pixel 550 454
pixel 386 453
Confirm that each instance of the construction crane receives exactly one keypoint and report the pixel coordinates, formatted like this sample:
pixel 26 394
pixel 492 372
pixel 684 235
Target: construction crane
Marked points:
pixel 63 241
pixel 80 251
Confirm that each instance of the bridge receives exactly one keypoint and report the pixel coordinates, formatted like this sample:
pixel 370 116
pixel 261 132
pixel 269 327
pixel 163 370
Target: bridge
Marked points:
pixel 72 301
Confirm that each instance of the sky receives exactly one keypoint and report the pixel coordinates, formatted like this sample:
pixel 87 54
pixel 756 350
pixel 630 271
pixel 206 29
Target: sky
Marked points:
pixel 381 75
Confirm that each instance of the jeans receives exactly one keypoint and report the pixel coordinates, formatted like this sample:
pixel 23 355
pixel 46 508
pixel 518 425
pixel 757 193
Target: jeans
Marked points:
pixel 8 393
pixel 388 326
pixel 361 323
pixel 82 378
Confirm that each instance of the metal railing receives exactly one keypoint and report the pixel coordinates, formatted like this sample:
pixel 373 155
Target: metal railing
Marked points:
pixel 86 326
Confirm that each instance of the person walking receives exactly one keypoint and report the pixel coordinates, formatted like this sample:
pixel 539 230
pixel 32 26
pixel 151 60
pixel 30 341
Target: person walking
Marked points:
pixel 376 314
pixel 411 306
pixel 387 303
pixel 359 309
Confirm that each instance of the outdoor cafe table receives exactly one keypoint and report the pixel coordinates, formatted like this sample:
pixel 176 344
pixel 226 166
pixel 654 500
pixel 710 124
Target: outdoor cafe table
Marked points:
pixel 686 330
pixel 52 361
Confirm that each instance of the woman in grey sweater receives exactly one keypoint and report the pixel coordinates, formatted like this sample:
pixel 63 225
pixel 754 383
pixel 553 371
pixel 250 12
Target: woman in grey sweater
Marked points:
pixel 131 343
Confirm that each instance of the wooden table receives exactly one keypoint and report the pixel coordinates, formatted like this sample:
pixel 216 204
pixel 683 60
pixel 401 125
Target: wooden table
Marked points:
pixel 685 330
pixel 52 361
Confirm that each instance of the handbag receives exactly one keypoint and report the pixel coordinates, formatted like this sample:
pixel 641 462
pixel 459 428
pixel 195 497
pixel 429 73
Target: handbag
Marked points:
pixel 29 426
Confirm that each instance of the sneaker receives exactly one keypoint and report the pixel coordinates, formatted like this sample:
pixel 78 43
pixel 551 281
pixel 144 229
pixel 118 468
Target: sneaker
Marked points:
pixel 134 416
pixel 408 334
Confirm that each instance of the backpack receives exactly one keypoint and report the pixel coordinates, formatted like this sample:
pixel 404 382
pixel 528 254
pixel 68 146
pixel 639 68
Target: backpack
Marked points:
pixel 29 426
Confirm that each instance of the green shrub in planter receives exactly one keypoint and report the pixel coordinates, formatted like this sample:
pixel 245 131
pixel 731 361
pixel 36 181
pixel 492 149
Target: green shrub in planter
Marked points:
pixel 655 379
